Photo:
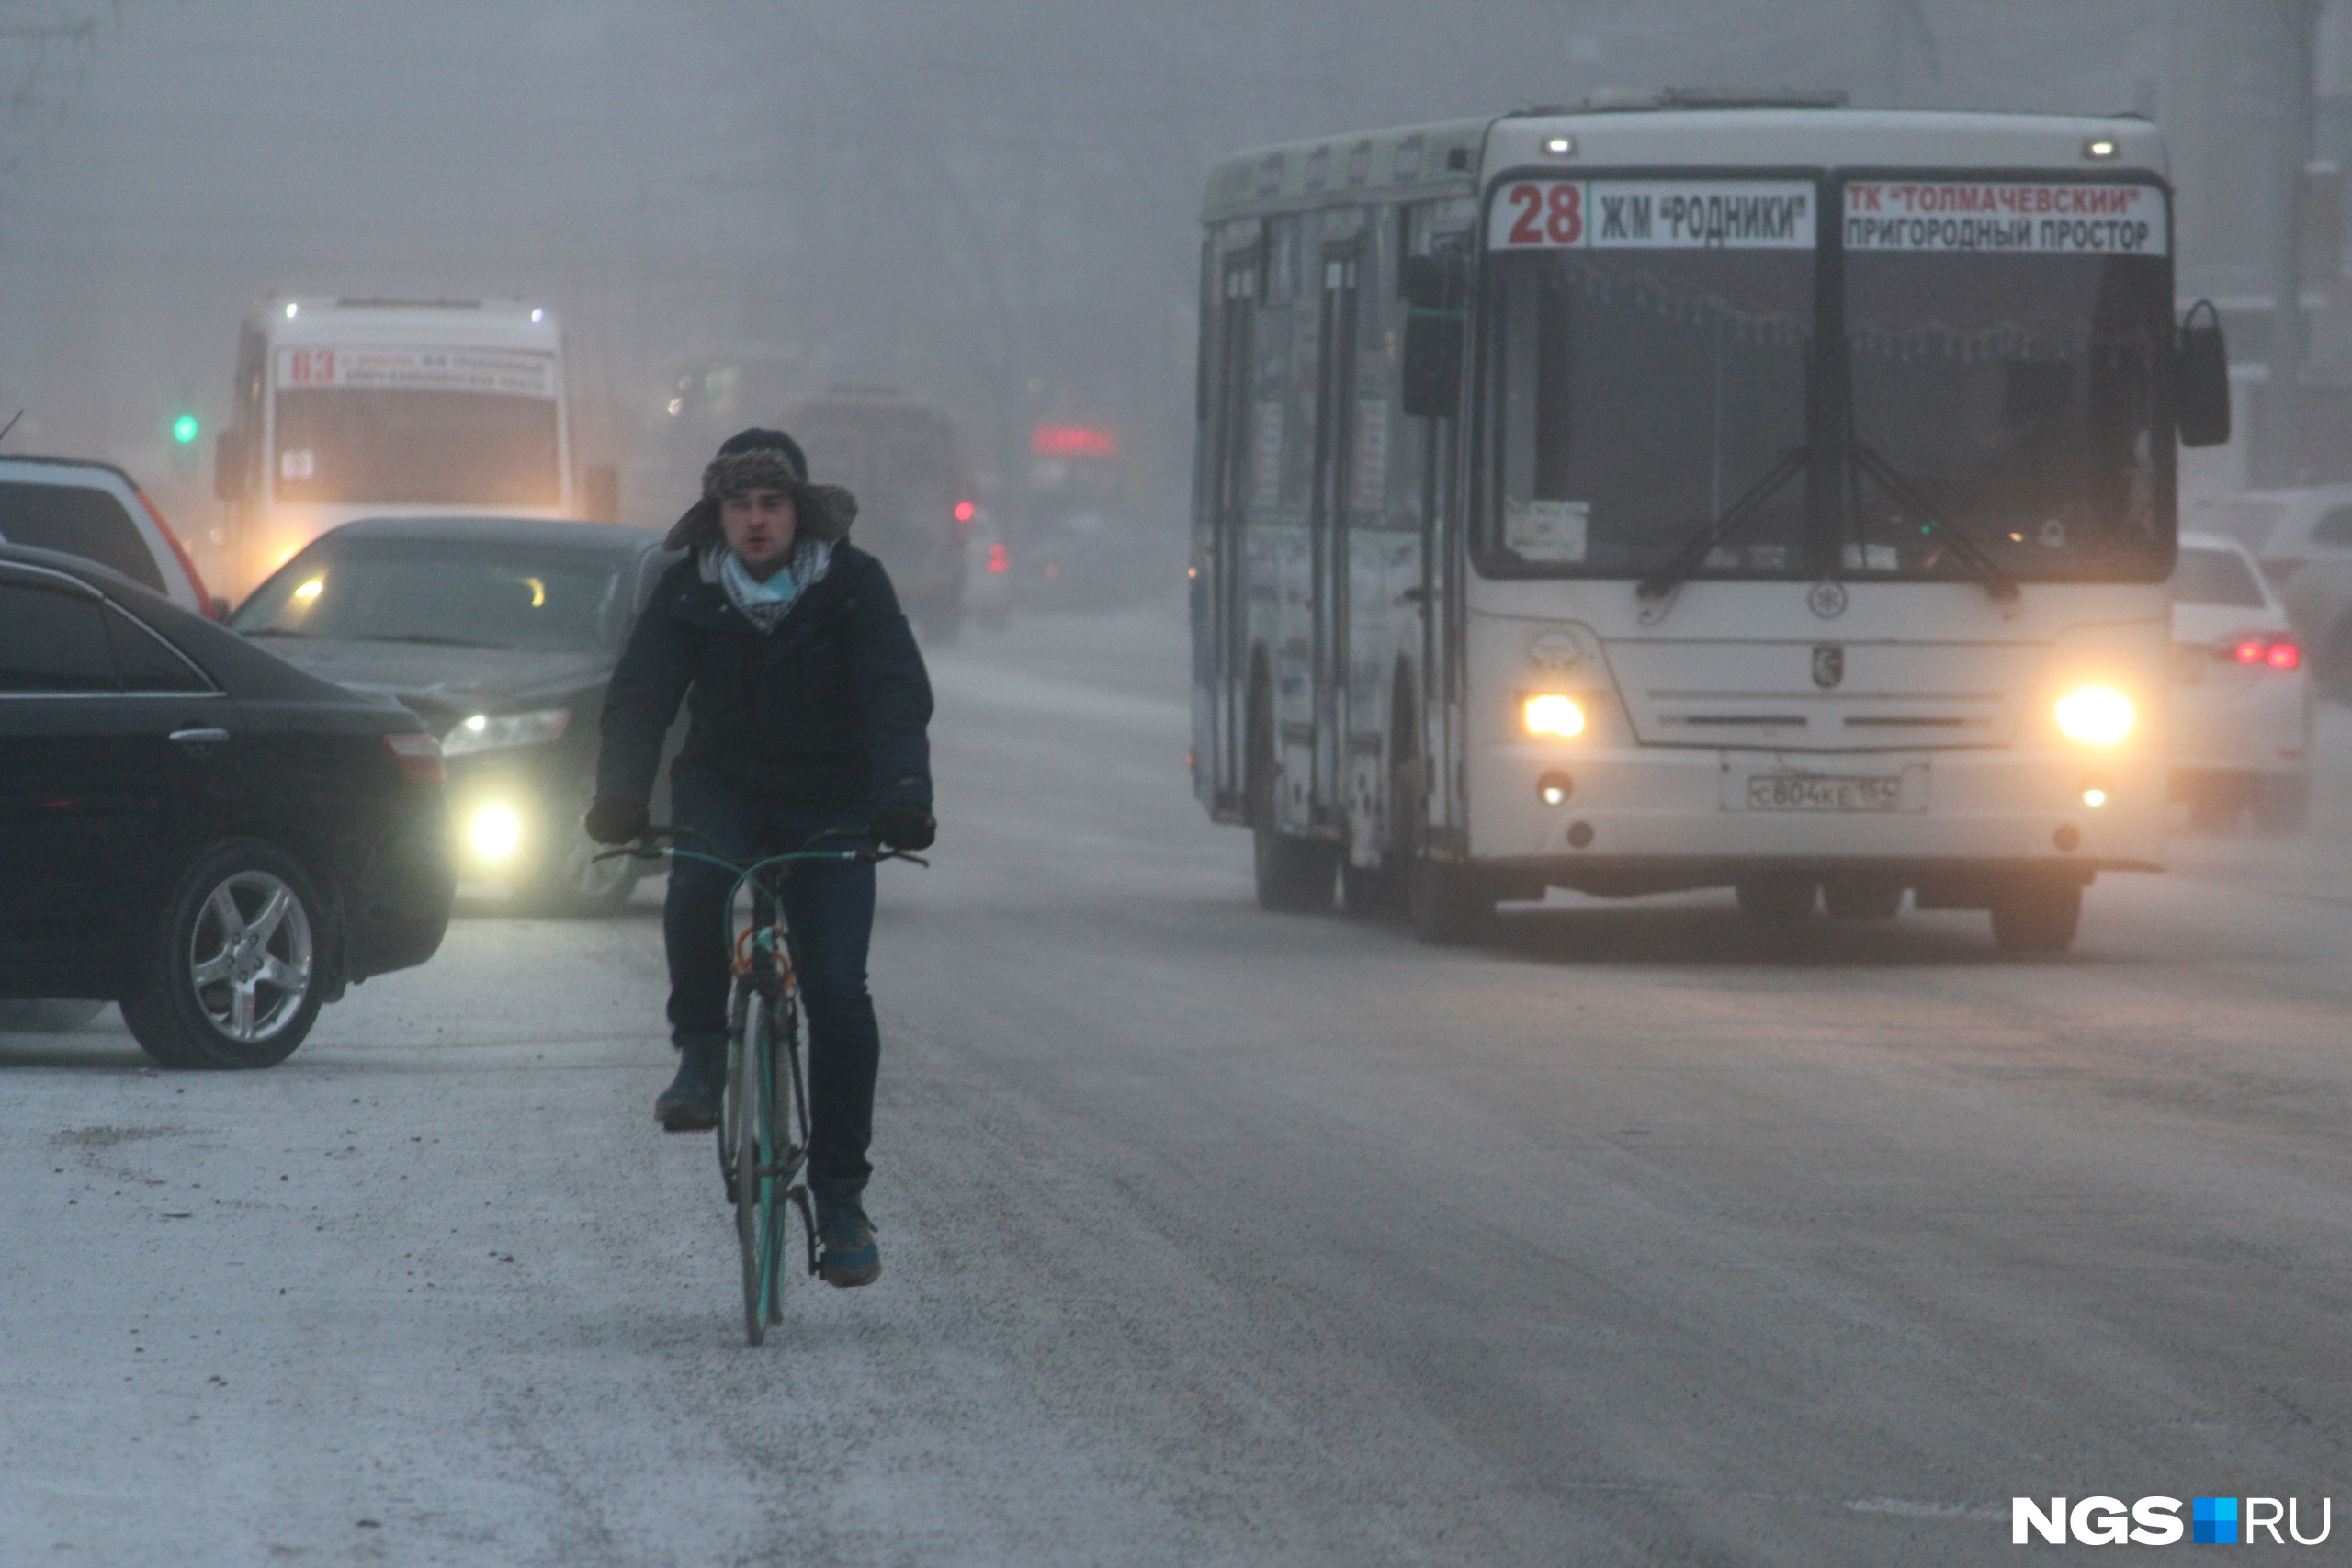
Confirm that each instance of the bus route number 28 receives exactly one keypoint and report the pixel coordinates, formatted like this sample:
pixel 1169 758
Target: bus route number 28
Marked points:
pixel 1549 214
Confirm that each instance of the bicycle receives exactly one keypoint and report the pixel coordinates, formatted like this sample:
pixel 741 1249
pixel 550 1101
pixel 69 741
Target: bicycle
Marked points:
pixel 763 1114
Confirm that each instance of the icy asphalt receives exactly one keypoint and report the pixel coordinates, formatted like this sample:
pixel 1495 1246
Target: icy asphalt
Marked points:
pixel 1216 1236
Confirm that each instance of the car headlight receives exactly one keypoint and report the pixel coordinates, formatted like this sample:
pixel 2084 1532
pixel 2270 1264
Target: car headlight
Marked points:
pixel 1549 713
pixel 497 731
pixel 494 832
pixel 2096 716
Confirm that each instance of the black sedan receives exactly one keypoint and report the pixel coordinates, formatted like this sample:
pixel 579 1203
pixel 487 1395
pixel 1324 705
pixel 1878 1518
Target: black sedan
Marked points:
pixel 501 634
pixel 195 828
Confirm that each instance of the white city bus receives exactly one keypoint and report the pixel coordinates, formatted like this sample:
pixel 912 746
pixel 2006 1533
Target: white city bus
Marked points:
pixel 1695 492
pixel 374 408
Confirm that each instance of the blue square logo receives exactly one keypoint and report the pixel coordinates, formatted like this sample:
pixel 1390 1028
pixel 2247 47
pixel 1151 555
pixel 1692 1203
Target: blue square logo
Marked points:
pixel 2213 1521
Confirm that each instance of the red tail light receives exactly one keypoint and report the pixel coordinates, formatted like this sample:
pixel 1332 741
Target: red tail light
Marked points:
pixel 964 511
pixel 999 559
pixel 204 605
pixel 419 757
pixel 2274 651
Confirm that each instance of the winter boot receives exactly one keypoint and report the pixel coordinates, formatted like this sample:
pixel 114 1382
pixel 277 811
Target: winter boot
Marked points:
pixel 691 1103
pixel 850 1257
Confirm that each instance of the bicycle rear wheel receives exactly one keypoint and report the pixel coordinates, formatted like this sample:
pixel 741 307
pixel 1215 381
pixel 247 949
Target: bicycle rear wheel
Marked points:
pixel 762 1167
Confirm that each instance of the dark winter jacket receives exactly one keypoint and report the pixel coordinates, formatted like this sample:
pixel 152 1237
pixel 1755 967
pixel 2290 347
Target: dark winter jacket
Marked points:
pixel 826 710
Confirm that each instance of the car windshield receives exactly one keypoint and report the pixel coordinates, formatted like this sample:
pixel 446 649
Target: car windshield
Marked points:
pixel 463 594
pixel 1637 391
pixel 401 446
pixel 2014 377
pixel 2208 576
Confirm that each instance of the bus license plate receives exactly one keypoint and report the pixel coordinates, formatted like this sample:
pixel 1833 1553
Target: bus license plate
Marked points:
pixel 1809 792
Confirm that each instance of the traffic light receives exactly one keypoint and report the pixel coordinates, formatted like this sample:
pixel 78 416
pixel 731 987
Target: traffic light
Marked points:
pixel 186 429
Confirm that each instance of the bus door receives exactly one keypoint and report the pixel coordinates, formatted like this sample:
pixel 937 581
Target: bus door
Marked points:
pixel 1438 227
pixel 1335 401
pixel 1233 441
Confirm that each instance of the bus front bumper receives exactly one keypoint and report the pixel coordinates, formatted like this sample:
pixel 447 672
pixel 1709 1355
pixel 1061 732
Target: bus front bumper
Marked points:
pixel 1703 817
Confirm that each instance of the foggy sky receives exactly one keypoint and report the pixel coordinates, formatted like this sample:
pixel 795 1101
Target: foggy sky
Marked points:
pixel 992 202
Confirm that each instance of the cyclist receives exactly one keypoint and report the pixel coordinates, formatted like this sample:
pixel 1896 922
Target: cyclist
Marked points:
pixel 807 702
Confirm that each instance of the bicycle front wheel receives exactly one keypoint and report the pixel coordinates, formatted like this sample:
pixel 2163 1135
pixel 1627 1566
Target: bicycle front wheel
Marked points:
pixel 759 1159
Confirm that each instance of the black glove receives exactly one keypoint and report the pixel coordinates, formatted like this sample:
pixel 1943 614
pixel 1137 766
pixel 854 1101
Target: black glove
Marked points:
pixel 616 819
pixel 905 827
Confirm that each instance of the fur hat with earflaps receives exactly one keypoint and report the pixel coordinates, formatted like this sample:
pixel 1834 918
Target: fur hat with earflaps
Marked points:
pixel 764 460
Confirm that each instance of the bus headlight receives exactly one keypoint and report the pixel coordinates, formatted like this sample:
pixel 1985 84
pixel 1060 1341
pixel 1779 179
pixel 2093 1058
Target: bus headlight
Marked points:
pixel 494 832
pixel 1552 715
pixel 2096 716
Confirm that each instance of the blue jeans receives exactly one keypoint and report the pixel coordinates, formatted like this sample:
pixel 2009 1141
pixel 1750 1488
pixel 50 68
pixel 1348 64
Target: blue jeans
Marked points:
pixel 828 909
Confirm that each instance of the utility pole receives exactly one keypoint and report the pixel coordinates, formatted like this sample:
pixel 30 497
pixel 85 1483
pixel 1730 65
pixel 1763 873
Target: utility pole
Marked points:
pixel 1906 26
pixel 2278 431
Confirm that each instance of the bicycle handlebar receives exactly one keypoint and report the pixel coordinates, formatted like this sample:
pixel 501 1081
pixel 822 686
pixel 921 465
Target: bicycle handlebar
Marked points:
pixel 647 847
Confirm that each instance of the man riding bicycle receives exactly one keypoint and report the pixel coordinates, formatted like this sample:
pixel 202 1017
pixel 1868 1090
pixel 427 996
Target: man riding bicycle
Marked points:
pixel 806 704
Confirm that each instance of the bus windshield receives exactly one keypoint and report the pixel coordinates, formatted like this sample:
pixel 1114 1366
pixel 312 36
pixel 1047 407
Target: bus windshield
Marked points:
pixel 2005 363
pixel 1636 390
pixel 402 446
pixel 2018 398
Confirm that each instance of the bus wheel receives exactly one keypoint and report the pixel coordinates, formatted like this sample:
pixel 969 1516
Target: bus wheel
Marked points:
pixel 1778 901
pixel 1293 875
pixel 1446 905
pixel 2037 915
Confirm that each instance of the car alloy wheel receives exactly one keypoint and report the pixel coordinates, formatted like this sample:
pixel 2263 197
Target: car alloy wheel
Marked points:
pixel 239 964
pixel 250 960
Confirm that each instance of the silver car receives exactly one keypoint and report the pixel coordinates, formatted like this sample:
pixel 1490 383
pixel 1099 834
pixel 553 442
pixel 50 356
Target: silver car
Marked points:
pixel 2241 696
pixel 2304 539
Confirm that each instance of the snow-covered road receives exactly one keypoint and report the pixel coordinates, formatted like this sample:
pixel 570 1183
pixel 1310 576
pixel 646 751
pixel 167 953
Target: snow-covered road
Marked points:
pixel 1216 1236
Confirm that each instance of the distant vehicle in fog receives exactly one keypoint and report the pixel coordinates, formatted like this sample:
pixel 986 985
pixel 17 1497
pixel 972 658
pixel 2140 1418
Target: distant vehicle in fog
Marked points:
pixel 353 407
pixel 196 829
pixel 988 571
pixel 97 511
pixel 1694 489
pixel 1080 543
pixel 2241 696
pixel 501 635
pixel 914 504
pixel 2304 539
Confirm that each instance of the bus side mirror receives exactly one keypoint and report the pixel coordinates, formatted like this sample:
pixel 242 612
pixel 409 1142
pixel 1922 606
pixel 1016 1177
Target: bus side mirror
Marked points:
pixel 2203 382
pixel 1432 286
pixel 229 466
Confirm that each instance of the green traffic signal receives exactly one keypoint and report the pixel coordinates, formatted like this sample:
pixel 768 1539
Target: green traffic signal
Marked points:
pixel 184 429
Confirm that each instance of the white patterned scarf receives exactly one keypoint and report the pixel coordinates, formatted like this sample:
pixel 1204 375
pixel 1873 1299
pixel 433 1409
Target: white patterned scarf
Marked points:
pixel 766 603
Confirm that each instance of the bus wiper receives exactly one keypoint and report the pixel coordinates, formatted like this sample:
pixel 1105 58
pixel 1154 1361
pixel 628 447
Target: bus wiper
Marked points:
pixel 1965 549
pixel 1693 555
pixel 273 631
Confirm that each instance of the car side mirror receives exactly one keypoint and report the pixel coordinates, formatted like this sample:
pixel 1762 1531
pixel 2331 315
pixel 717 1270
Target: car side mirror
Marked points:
pixel 1432 286
pixel 229 466
pixel 2201 378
